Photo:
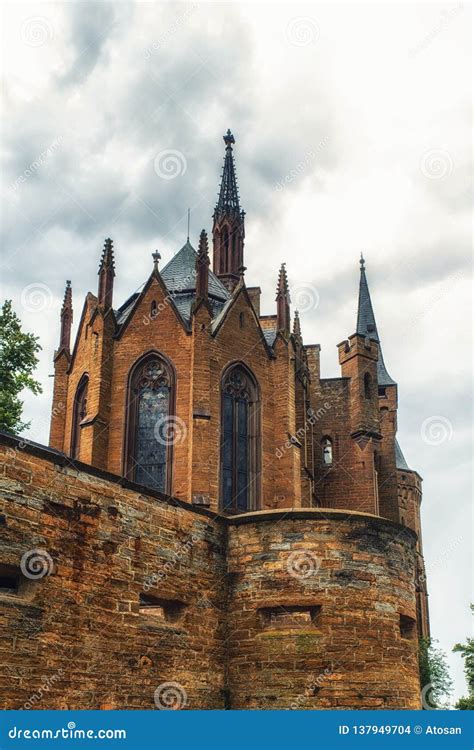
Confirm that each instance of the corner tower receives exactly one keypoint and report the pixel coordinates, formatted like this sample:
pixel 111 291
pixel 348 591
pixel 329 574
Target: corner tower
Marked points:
pixel 387 393
pixel 228 230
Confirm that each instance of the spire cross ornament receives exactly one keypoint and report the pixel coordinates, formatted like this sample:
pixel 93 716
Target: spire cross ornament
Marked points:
pixel 156 257
pixel 362 262
pixel 228 139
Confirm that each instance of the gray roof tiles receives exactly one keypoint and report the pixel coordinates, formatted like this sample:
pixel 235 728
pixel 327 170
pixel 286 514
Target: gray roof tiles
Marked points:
pixel 400 458
pixel 366 326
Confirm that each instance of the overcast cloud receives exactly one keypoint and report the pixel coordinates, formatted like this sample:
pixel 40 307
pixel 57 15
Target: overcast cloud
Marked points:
pixel 352 126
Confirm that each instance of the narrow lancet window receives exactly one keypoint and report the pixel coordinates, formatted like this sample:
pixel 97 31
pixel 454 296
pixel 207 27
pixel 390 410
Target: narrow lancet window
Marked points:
pixel 239 440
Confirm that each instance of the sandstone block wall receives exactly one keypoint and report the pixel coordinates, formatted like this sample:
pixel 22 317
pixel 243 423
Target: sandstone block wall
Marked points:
pixel 322 608
pixel 304 609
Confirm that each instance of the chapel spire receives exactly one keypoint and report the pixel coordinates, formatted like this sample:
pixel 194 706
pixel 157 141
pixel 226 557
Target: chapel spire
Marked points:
pixel 283 302
pixel 106 275
pixel 228 230
pixel 66 320
pixel 366 325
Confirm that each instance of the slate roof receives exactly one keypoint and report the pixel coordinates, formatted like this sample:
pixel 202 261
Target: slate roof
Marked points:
pixel 400 458
pixel 124 310
pixel 179 276
pixel 366 326
pixel 270 335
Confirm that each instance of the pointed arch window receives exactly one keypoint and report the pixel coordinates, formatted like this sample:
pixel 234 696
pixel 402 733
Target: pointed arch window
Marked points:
pixel 79 414
pixel 151 423
pixel 326 448
pixel 226 253
pixel 239 441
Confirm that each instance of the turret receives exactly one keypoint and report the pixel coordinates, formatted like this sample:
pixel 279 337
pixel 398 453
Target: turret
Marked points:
pixel 62 360
pixel 66 320
pixel 202 268
pixel 283 303
pixel 228 230
pixel 106 275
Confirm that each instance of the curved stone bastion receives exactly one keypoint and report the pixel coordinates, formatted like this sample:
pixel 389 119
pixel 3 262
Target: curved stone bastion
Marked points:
pixel 115 596
pixel 321 611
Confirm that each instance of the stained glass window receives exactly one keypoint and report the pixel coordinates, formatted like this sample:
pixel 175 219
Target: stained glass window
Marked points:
pixel 149 412
pixel 239 441
pixel 80 412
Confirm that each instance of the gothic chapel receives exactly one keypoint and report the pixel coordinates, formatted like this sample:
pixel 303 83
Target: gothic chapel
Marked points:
pixel 212 517
pixel 188 389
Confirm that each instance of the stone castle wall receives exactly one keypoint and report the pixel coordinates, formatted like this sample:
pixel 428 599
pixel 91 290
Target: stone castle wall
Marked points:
pixel 298 609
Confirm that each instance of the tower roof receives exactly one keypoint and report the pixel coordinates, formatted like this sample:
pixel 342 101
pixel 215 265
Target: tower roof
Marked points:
pixel 228 200
pixel 400 458
pixel 179 276
pixel 366 325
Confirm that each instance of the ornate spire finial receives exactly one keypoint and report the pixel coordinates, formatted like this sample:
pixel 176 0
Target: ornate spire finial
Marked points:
pixel 362 262
pixel 107 259
pixel 67 296
pixel 283 302
pixel 203 250
pixel 106 274
pixel 202 267
pixel 296 324
pixel 228 139
pixel 156 257
pixel 66 319
pixel 282 286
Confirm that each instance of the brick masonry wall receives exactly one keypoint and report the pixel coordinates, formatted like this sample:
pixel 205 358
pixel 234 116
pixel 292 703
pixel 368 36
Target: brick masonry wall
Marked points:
pixel 76 638
pixel 79 630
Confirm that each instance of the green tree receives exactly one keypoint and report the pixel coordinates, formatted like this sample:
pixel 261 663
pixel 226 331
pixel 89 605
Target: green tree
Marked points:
pixel 17 363
pixel 466 703
pixel 435 681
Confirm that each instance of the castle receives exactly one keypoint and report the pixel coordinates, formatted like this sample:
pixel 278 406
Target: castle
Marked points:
pixel 215 525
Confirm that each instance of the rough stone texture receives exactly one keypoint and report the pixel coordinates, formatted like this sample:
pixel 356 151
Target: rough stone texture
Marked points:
pixel 345 579
pixel 243 628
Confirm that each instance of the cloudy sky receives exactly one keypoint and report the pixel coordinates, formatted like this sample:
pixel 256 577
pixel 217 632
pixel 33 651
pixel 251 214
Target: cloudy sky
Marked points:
pixel 352 126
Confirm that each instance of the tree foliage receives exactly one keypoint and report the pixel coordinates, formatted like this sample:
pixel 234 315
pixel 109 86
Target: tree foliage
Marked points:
pixel 17 363
pixel 435 680
pixel 467 652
